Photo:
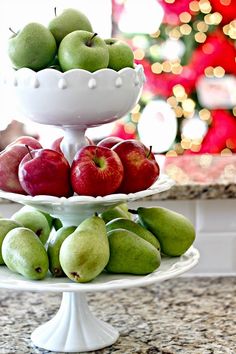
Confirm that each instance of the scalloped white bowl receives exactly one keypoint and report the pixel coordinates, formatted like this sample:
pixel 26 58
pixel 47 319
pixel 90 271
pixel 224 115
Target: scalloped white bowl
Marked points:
pixel 78 207
pixel 76 97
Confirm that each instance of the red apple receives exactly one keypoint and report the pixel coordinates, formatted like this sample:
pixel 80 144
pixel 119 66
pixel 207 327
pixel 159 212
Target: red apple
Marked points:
pixel 96 171
pixel 10 159
pixel 27 140
pixel 110 141
pixel 45 172
pixel 56 144
pixel 140 167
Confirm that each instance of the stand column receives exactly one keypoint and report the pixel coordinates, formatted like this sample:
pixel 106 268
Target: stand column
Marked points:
pixel 74 328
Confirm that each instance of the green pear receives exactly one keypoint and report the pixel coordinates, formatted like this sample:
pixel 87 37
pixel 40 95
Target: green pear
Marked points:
pixel 173 230
pixel 33 219
pixel 6 225
pixel 118 211
pixel 121 223
pixel 57 224
pixel 68 21
pixel 83 50
pixel 85 253
pixel 54 247
pixel 23 253
pixel 48 217
pixel 32 47
pixel 129 253
pixel 120 54
pixel 124 206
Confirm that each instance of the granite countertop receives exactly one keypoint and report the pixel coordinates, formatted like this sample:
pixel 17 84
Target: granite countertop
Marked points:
pixel 179 316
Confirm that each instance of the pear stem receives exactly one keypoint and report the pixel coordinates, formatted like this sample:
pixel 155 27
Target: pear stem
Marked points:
pixel 150 151
pixel 55 11
pixel 27 147
pixel 89 41
pixel 133 211
pixel 10 29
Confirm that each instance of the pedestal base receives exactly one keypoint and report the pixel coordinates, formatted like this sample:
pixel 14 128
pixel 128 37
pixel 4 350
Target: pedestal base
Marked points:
pixel 74 328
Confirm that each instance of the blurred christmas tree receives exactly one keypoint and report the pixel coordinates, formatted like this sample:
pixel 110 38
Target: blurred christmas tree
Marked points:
pixel 190 66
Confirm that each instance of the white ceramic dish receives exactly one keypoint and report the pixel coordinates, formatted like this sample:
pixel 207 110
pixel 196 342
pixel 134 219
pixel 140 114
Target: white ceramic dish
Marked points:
pixel 76 208
pixel 74 328
pixel 74 100
pixel 76 97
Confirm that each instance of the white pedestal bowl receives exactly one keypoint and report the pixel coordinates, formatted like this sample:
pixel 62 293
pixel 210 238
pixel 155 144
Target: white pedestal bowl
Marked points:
pixel 74 100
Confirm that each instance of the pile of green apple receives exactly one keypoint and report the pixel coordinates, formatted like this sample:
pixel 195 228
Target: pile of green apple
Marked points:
pixel 112 242
pixel 67 43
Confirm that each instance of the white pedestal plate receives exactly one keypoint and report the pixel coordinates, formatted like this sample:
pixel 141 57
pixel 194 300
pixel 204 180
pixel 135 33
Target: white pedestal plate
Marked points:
pixel 74 328
pixel 76 100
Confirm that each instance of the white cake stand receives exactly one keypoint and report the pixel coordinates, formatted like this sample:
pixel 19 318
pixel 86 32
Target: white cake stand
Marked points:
pixel 74 328
pixel 76 100
pixel 73 210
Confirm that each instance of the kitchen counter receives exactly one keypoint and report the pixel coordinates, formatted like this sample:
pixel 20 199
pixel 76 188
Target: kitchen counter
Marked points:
pixel 184 315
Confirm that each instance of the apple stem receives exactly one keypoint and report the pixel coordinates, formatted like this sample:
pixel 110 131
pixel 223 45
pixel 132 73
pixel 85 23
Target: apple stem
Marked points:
pixel 89 42
pixel 95 214
pixel 150 151
pixel 133 211
pixel 55 11
pixel 10 29
pixel 27 147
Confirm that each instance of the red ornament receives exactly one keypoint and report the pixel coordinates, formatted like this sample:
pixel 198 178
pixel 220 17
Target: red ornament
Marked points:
pixel 220 135
pixel 226 8
pixel 122 132
pixel 214 52
pixel 173 10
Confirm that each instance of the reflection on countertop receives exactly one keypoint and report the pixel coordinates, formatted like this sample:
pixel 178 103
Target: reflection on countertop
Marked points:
pixel 199 177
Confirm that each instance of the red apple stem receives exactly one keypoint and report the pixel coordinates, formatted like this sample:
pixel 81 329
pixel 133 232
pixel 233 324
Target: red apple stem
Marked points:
pixel 133 211
pixel 10 29
pixel 55 11
pixel 27 147
pixel 150 151
pixel 89 42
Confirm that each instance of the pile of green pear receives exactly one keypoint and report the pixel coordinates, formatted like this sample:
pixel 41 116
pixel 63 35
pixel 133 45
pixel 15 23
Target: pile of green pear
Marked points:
pixel 68 42
pixel 37 245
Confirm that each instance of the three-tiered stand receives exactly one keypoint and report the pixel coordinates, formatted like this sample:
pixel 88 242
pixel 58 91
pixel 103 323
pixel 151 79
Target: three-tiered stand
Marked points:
pixel 76 100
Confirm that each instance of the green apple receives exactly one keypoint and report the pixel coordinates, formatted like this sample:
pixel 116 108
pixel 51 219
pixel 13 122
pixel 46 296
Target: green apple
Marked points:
pixel 68 21
pixel 83 50
pixel 32 47
pixel 120 54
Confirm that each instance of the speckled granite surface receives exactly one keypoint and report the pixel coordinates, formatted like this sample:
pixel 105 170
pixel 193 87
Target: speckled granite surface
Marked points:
pixel 179 316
